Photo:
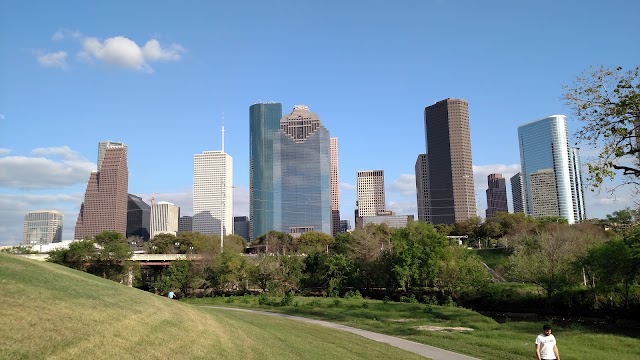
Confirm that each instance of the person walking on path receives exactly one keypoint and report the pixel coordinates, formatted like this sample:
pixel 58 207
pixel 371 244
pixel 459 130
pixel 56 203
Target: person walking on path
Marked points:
pixel 546 347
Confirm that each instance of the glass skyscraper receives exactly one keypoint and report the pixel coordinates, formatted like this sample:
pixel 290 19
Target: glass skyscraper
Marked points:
pixel 301 174
pixel 546 157
pixel 264 123
pixel 290 171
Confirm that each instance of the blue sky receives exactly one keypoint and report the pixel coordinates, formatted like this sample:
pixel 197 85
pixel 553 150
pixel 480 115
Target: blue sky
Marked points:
pixel 157 75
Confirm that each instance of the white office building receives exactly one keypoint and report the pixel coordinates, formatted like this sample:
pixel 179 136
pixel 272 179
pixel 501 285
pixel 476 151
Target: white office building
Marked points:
pixel 42 227
pixel 213 193
pixel 164 218
pixel 370 189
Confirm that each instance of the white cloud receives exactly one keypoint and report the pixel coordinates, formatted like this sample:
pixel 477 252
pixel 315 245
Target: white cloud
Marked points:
pixel 23 172
pixel 122 52
pixel 4 151
pixel 57 36
pixel 347 187
pixel 405 185
pixel 53 60
pixel 153 52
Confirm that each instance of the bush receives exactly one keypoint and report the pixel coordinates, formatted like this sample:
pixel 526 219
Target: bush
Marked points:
pixel 263 299
pixel 353 295
pixel 450 302
pixel 336 302
pixel 365 305
pixel 312 304
pixel 287 300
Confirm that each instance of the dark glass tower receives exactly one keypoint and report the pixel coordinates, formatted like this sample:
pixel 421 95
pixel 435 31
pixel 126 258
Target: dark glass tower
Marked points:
pixel 496 195
pixel 450 174
pixel 138 217
pixel 264 123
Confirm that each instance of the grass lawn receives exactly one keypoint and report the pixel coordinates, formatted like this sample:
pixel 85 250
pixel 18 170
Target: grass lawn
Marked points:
pixel 488 340
pixel 51 312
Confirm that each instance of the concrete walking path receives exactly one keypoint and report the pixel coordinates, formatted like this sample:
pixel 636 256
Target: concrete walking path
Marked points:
pixel 420 349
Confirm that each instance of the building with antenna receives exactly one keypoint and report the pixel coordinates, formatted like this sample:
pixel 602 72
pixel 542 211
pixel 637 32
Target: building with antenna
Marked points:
pixel 213 192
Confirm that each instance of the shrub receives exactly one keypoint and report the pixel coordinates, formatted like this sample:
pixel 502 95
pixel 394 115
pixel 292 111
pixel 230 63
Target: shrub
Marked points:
pixel 353 295
pixel 287 300
pixel 365 305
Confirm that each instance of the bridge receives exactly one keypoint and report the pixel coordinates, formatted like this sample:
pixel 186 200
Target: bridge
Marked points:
pixel 143 259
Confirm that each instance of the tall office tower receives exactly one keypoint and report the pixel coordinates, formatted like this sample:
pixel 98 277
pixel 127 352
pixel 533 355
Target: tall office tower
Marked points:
pixel 577 191
pixel 422 187
pixel 544 151
pixel 105 201
pixel 42 227
pixel 370 192
pixel 185 224
pixel 264 124
pixel 345 226
pixel 102 148
pixel 496 195
pixel 138 217
pixel 213 193
pixel 301 174
pixel 164 218
pixel 335 187
pixel 448 139
pixel 241 226
pixel 544 194
pixel 517 193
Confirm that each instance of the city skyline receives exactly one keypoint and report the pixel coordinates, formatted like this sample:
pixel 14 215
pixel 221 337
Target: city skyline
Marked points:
pixel 74 78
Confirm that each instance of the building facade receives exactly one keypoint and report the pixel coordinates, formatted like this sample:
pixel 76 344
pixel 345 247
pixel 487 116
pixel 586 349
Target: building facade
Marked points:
pixel 517 193
pixel 138 217
pixel 42 227
pixel 450 174
pixel 301 174
pixel 212 193
pixel 496 195
pixel 391 220
pixel 546 161
pixel 422 187
pixel 577 189
pixel 164 218
pixel 185 224
pixel 264 124
pixel 335 186
pixel 106 199
pixel 241 226
pixel 370 192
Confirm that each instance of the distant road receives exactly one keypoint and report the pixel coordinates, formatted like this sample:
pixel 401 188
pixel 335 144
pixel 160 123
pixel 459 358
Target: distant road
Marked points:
pixel 417 348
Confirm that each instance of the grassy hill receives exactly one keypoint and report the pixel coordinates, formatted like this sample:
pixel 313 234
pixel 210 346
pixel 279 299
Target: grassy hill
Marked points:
pixel 49 311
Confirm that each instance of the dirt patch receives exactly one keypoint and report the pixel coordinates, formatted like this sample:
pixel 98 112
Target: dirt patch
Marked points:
pixel 443 328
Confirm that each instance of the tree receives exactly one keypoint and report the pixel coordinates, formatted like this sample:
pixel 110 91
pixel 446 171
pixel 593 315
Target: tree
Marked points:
pixel 607 101
pixel 314 241
pixel 417 248
pixel 113 258
pixel 177 276
pixel 231 270
pixel 460 270
pixel 78 256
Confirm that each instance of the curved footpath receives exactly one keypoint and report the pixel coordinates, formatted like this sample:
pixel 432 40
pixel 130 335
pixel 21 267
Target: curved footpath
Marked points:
pixel 420 349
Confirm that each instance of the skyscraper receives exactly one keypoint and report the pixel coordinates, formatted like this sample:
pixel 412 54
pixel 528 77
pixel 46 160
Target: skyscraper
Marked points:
pixel 301 174
pixel 517 193
pixel 335 187
pixel 164 218
pixel 577 193
pixel 105 201
pixel 370 192
pixel 264 123
pixel 448 140
pixel 138 217
pixel 185 224
pixel 42 227
pixel 241 226
pixel 496 195
pixel 213 193
pixel 422 187
pixel 547 164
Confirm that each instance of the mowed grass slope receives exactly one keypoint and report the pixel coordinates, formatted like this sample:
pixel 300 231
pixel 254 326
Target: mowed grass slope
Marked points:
pixel 49 311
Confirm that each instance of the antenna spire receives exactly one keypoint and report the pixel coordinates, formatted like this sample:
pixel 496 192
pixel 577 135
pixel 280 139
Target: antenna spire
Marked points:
pixel 223 132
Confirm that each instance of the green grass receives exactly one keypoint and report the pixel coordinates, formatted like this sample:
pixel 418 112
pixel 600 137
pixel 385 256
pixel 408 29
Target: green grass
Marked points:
pixel 51 312
pixel 494 258
pixel 489 340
